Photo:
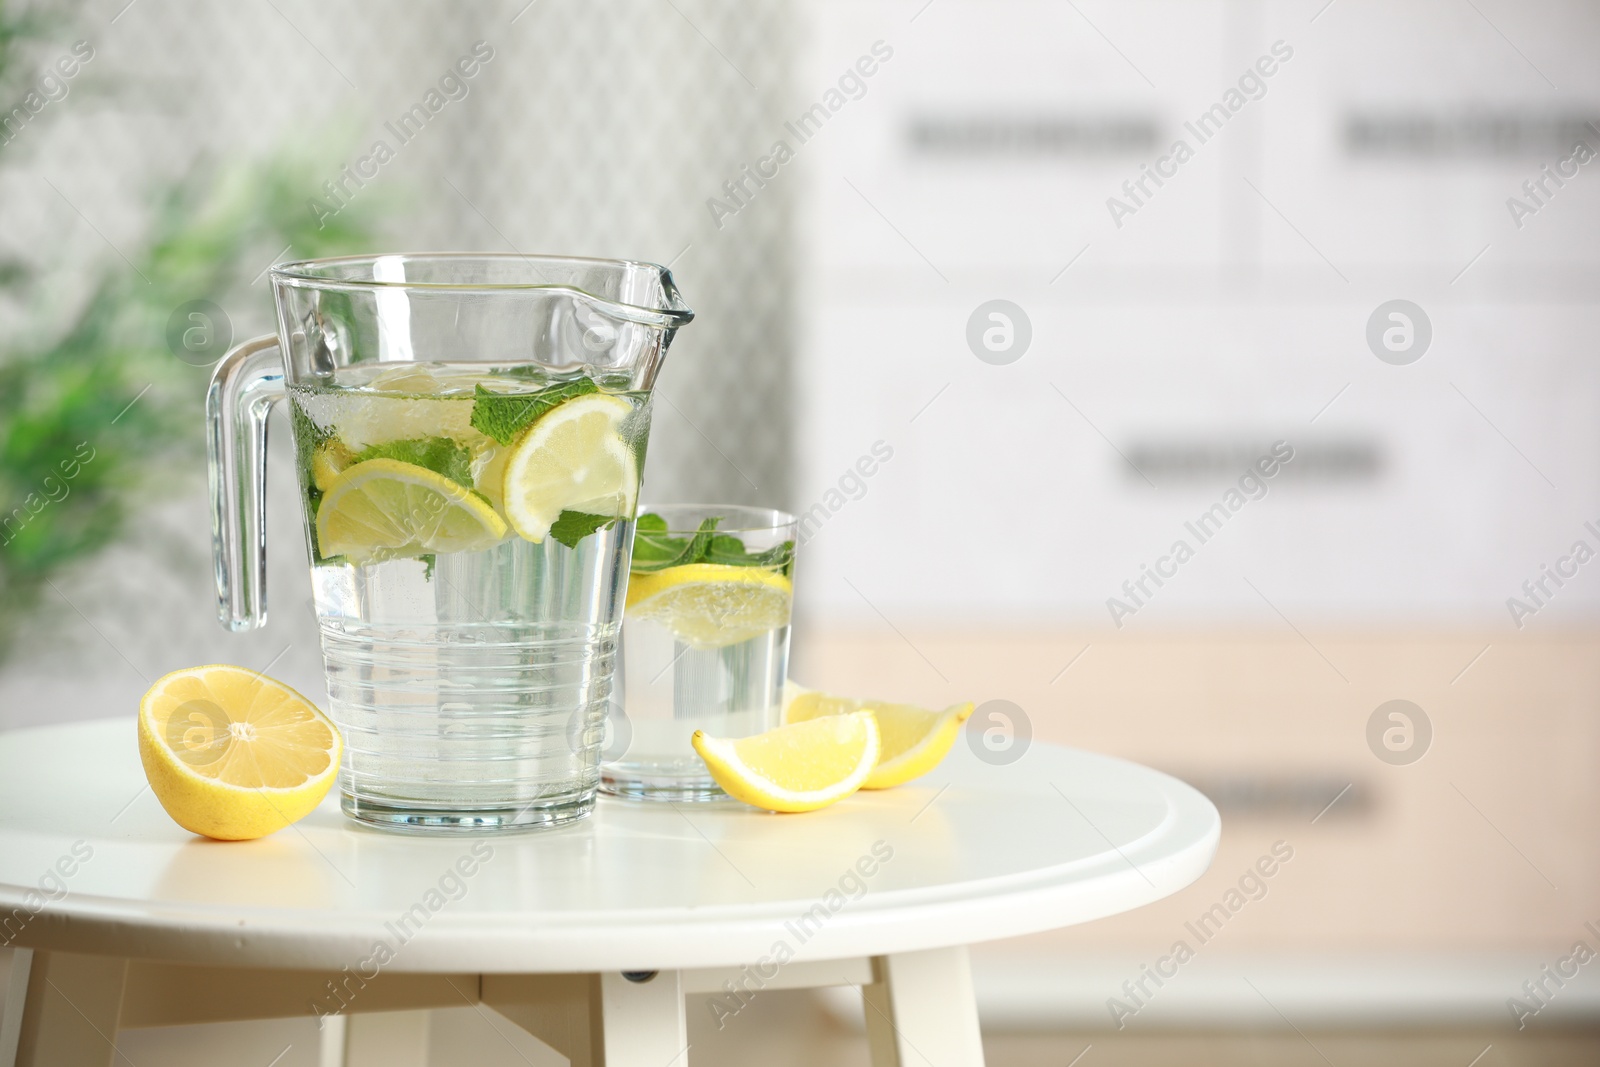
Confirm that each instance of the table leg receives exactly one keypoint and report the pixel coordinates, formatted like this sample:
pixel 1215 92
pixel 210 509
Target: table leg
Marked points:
pixel 333 1032
pixel 70 1010
pixel 598 1020
pixel 643 1022
pixel 921 1011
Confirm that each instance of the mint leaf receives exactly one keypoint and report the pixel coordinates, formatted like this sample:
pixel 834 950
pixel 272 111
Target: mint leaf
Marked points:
pixel 701 540
pixel 439 454
pixel 503 416
pixel 307 434
pixel 308 437
pixel 652 543
pixel 654 550
pixel 727 550
pixel 778 558
pixel 661 551
pixel 571 527
pixel 730 552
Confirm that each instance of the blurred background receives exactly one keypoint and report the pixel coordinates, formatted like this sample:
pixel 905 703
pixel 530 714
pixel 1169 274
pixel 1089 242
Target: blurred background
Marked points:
pixel 982 268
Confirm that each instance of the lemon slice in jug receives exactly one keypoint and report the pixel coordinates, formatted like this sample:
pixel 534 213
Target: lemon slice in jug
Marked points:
pixel 574 458
pixel 388 509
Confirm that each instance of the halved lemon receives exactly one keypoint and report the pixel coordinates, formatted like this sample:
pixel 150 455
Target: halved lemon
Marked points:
pixel 712 605
pixel 914 740
pixel 233 754
pixel 801 767
pixel 573 458
pixel 388 509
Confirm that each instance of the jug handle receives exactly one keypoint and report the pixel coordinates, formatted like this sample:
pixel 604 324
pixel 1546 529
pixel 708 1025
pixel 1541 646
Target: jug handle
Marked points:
pixel 248 381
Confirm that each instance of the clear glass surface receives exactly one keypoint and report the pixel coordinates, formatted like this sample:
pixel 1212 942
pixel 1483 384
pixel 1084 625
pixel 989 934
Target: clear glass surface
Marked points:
pixel 705 644
pixel 470 653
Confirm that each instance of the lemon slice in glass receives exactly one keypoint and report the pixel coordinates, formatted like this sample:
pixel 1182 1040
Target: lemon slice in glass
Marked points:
pixel 711 605
pixel 574 458
pixel 387 509
pixel 914 740
pixel 800 767
pixel 233 754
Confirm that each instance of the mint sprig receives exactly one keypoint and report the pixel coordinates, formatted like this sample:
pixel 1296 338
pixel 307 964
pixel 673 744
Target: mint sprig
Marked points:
pixel 503 416
pixel 438 454
pixel 654 549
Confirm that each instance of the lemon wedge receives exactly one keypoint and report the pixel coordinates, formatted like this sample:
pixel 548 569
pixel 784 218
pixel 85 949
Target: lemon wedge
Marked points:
pixel 233 754
pixel 387 509
pixel 801 767
pixel 914 740
pixel 574 458
pixel 712 605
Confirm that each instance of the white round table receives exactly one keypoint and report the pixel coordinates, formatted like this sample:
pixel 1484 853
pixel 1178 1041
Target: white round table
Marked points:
pixel 587 936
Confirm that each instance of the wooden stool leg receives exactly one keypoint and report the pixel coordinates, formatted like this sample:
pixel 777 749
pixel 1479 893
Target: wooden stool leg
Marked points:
pixel 643 1022
pixel 921 1011
pixel 70 1011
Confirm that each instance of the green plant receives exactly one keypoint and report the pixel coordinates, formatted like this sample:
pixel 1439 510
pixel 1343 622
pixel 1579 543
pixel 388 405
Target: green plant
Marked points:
pixel 98 416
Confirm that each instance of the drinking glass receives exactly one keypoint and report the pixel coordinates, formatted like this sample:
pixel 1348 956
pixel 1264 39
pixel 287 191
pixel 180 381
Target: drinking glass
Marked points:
pixel 705 640
pixel 469 431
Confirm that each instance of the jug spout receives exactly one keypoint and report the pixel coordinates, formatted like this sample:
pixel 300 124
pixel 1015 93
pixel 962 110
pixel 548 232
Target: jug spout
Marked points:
pixel 555 312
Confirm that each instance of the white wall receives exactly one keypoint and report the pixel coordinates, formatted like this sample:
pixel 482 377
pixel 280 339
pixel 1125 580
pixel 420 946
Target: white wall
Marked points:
pixel 1206 320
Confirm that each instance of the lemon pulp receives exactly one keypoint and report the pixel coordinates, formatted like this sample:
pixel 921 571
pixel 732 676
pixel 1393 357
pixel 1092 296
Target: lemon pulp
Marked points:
pixel 574 458
pixel 386 509
pixel 712 605
pixel 800 767
pixel 914 739
pixel 233 754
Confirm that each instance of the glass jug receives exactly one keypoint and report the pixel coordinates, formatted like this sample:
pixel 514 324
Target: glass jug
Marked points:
pixel 469 433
